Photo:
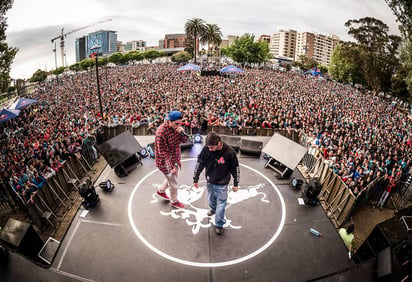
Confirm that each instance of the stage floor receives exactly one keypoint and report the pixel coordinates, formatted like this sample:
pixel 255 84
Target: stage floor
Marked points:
pixel 132 235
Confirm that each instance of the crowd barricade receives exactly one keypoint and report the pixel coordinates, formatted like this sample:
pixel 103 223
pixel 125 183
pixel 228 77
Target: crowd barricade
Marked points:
pixel 7 201
pixel 89 152
pixel 401 195
pixel 49 205
pixel 336 198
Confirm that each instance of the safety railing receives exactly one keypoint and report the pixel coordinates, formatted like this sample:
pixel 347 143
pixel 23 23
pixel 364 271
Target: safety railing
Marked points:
pixel 47 206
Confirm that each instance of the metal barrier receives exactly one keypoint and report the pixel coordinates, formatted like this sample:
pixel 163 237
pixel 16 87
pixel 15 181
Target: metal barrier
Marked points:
pixel 7 204
pixel 49 205
pixel 108 132
pixel 336 198
pixel 400 197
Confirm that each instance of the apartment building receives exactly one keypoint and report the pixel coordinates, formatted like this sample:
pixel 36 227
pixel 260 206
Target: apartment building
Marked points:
pixel 134 45
pixel 264 38
pixel 318 47
pixel 292 44
pixel 283 44
pixel 228 41
pixel 175 41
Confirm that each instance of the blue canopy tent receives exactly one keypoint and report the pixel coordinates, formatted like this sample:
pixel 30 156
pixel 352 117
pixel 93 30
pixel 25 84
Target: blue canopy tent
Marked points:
pixel 314 72
pixel 231 68
pixel 22 103
pixel 189 67
pixel 7 114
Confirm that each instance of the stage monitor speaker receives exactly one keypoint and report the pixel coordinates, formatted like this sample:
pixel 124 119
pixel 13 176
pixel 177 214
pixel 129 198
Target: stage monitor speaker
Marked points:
pixel 124 168
pixel 394 231
pixel 384 263
pixel 21 237
pixel 389 233
pixel 232 141
pixel 284 153
pixel 119 148
pixel 251 147
pixel 186 145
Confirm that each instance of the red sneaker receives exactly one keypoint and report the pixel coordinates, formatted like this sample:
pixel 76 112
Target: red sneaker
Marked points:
pixel 163 195
pixel 177 205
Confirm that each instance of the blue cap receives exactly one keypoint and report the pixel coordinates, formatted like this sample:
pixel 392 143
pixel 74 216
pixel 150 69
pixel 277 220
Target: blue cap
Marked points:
pixel 174 115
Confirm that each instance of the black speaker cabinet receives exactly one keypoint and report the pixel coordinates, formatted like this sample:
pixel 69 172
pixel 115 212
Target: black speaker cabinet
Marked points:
pixel 389 233
pixel 124 168
pixel 232 141
pixel 251 147
pixel 119 149
pixel 21 237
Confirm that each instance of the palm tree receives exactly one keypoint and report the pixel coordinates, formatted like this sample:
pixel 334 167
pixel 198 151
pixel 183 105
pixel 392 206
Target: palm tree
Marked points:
pixel 194 28
pixel 212 35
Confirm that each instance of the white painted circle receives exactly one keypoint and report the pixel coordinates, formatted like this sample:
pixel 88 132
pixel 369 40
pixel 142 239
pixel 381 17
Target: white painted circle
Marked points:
pixel 208 264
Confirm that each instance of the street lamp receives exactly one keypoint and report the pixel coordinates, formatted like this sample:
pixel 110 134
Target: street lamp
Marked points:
pixel 95 55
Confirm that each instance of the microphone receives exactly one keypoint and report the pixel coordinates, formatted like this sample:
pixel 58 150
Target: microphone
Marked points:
pixel 187 135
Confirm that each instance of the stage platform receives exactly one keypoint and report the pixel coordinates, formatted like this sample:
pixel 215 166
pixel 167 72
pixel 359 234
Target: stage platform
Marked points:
pixel 132 235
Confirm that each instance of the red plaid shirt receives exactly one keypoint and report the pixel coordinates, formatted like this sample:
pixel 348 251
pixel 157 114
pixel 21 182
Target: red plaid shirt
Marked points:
pixel 167 147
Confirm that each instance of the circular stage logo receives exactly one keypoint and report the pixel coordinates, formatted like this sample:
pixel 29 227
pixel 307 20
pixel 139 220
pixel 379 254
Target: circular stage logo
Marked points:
pixel 263 193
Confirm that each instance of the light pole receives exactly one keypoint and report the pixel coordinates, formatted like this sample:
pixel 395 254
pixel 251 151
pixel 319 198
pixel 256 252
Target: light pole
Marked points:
pixel 95 54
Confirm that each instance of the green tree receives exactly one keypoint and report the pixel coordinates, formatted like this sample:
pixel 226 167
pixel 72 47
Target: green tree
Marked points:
pixel 305 63
pixel 378 51
pixel 245 50
pixel 181 57
pixel 212 35
pixel 75 67
pixel 403 12
pixel 402 9
pixel 86 63
pixel 323 69
pixel 38 76
pixel 7 53
pixel 399 87
pixel 190 45
pixel 135 56
pixel 344 65
pixel 153 54
pixel 194 28
pixel 116 58
pixel 59 70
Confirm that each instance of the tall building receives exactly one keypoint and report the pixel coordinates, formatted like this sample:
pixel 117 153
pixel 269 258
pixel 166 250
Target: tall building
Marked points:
pixel 106 39
pixel 304 45
pixel 316 46
pixel 290 45
pixel 228 41
pixel 80 48
pixel 323 48
pixel 175 41
pixel 283 43
pixel 264 38
pixel 134 45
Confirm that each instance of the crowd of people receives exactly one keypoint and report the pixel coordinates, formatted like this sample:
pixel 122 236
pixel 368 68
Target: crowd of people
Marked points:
pixel 362 137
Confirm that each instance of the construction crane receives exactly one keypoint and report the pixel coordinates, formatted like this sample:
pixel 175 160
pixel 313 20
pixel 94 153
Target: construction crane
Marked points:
pixel 63 35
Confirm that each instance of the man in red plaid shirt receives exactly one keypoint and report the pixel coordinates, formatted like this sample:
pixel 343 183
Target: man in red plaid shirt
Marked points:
pixel 167 155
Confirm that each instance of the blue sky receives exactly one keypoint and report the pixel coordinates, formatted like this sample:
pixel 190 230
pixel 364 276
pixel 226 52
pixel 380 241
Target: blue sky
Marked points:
pixel 32 24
